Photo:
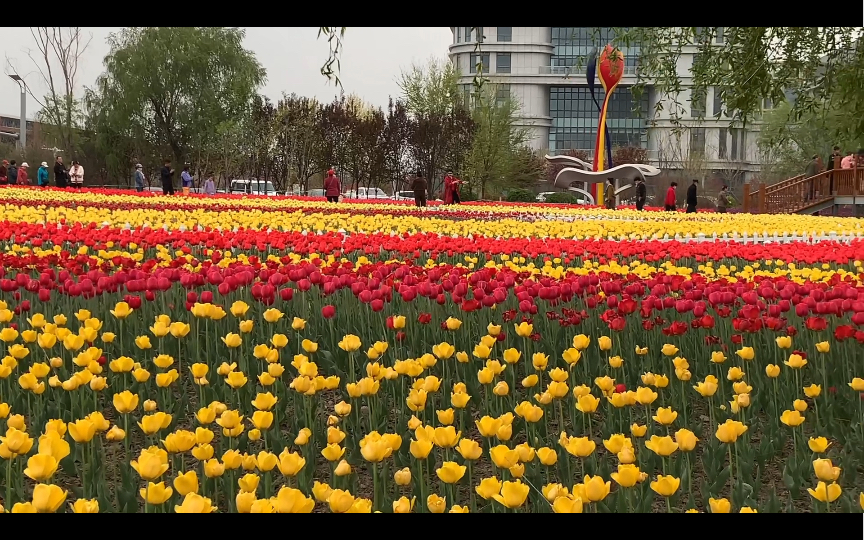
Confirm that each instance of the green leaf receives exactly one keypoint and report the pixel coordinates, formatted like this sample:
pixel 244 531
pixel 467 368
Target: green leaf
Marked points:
pixel 720 480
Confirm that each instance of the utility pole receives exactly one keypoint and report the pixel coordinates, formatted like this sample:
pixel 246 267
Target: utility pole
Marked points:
pixel 22 130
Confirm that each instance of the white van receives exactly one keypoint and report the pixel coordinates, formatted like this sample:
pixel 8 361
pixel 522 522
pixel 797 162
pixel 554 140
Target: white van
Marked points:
pixel 366 193
pixel 252 187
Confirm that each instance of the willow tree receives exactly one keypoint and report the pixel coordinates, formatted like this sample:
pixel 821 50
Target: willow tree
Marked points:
pixel 813 68
pixel 820 68
pixel 173 86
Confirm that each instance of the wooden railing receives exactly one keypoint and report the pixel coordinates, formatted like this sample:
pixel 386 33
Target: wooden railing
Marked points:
pixel 799 193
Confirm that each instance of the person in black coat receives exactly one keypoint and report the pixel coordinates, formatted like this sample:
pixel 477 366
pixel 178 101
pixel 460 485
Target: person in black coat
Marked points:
pixel 641 193
pixel 61 174
pixel 12 173
pixel 691 197
pixel 167 175
pixel 419 187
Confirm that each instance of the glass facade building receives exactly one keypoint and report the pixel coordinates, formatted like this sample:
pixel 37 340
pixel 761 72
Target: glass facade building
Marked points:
pixel 574 114
pixel 572 45
pixel 575 118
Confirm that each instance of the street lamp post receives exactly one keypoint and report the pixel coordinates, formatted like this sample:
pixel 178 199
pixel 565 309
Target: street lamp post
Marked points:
pixel 22 131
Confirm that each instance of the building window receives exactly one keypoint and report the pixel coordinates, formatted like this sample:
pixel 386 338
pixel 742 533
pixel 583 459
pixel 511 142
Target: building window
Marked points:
pixel 477 59
pixel 11 122
pixel 459 63
pixel 697 142
pixel 502 63
pixel 505 33
pixel 767 104
pixel 719 35
pixel 718 102
pixel 738 147
pixel 721 146
pixel 466 94
pixel 697 58
pixel 502 94
pixel 572 44
pixel 458 34
pixel 468 30
pixel 697 103
pixel 575 117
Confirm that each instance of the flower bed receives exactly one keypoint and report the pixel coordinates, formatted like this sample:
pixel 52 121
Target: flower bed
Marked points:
pixel 420 362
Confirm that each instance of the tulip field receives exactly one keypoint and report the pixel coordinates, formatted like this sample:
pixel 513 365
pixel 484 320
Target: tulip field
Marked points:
pixel 274 355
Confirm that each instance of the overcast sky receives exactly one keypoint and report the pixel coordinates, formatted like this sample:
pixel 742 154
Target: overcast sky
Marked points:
pixel 293 57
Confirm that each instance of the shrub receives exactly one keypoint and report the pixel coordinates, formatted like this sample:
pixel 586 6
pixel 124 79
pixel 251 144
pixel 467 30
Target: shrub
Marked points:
pixel 521 195
pixel 561 198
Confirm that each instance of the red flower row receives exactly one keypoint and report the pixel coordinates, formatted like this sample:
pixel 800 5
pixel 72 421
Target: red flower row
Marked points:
pixel 425 245
pixel 763 303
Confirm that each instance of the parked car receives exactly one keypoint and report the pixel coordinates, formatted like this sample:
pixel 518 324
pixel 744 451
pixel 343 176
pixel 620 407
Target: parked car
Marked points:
pixel 253 187
pixel 367 193
pixel 315 193
pixel 542 197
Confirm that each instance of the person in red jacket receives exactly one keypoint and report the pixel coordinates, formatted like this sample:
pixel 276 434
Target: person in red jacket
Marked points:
pixel 332 187
pixel 22 175
pixel 671 196
pixel 451 188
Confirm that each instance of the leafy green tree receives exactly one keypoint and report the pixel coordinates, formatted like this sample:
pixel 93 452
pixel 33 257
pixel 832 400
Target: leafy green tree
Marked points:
pixel 494 153
pixel 528 169
pixel 172 86
pixel 787 145
pixel 441 127
pixel 818 67
pixel 299 137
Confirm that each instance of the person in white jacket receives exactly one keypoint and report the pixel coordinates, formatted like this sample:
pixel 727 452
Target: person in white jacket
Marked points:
pixel 76 175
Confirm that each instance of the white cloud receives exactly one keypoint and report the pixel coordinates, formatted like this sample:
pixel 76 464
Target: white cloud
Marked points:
pixel 371 61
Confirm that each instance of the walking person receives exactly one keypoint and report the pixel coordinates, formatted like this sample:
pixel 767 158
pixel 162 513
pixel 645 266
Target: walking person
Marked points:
pixel 167 176
pixel 671 197
pixel 691 197
pixel 139 178
pixel 609 194
pixel 210 185
pixel 451 188
pixel 23 180
pixel 61 174
pixel 42 175
pixel 4 171
pixel 332 187
pixel 832 164
pixel 812 167
pixel 641 193
pixel 419 186
pixel 76 175
pixel 12 173
pixel 186 179
pixel 723 199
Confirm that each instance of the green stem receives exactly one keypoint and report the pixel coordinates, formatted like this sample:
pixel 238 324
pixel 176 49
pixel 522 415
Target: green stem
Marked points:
pixel 8 499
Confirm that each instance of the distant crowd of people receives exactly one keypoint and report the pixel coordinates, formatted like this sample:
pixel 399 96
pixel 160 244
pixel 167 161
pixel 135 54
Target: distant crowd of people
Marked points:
pixel 417 184
pixel 670 202
pixel 18 175
pixel 166 178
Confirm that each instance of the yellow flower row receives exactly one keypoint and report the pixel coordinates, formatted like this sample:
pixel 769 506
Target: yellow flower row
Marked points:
pixel 759 223
pixel 291 215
